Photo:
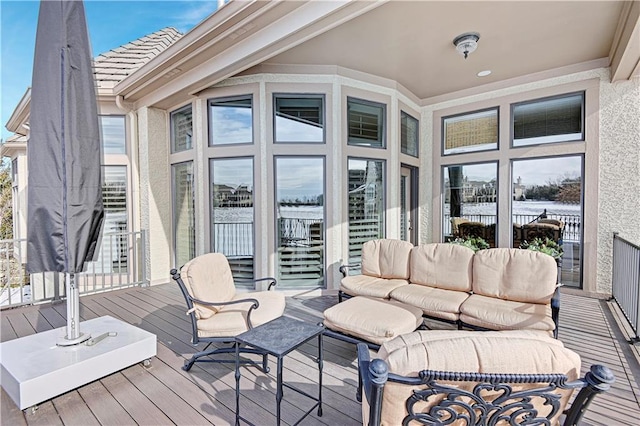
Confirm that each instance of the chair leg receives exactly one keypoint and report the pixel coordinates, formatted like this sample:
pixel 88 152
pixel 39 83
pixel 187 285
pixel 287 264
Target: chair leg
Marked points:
pixel 230 350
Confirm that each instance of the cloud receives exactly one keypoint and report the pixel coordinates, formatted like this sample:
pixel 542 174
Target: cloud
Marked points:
pixel 193 13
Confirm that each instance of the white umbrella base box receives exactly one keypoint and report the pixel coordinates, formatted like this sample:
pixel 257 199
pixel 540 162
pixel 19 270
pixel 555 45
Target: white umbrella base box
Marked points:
pixel 36 369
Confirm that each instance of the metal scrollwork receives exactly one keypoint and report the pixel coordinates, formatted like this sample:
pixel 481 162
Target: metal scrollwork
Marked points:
pixel 488 404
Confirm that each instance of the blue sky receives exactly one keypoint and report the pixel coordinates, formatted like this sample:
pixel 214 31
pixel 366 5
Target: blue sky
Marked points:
pixel 111 24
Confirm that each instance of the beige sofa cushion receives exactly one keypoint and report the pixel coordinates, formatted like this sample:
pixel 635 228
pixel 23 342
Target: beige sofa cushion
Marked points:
pixel 515 274
pixel 373 320
pixel 471 351
pixel 231 319
pixel 498 314
pixel 208 278
pixel 442 265
pixel 386 258
pixel 435 302
pixel 364 285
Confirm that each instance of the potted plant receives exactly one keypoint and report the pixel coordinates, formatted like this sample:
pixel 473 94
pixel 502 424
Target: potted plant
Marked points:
pixel 546 245
pixel 474 243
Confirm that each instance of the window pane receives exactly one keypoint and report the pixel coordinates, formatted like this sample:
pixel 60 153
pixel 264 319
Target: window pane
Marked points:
pixel 299 221
pixel 365 123
pixel 547 203
pixel 547 121
pixel 366 204
pixel 113 134
pixel 232 214
pixel 181 129
pixel 231 121
pixel 113 251
pixel 408 134
pixel 183 213
pixel 477 131
pixel 299 119
pixel 470 202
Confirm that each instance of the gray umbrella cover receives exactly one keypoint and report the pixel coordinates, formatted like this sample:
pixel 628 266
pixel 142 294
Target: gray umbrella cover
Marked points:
pixel 65 210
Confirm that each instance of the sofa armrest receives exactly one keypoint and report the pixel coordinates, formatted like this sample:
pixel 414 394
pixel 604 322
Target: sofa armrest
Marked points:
pixel 344 269
pixel 372 376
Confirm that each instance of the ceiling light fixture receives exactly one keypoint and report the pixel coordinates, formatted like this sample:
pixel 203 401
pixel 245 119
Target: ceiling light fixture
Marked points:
pixel 484 73
pixel 466 43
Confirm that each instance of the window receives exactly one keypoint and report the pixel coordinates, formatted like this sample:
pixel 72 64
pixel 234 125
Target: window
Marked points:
pixel 112 133
pixel 299 118
pixel 299 189
pixel 366 188
pixel 231 121
pixel 547 203
pixel 469 132
pixel 184 228
pixel 114 250
pixel 557 119
pixel 366 123
pixel 408 134
pixel 470 201
pixel 181 129
pixel 232 223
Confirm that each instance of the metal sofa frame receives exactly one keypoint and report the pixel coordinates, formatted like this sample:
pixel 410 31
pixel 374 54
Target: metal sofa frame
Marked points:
pixel 512 406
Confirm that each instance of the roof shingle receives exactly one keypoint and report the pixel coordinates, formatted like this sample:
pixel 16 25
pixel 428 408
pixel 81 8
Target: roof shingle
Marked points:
pixel 115 65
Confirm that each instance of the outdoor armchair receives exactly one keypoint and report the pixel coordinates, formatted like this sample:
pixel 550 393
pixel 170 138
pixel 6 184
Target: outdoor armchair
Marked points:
pixel 472 377
pixel 217 313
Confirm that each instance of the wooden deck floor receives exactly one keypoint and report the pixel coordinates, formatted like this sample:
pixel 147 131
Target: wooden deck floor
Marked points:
pixel 164 394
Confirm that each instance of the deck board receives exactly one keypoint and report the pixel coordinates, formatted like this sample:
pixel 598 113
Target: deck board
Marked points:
pixel 165 394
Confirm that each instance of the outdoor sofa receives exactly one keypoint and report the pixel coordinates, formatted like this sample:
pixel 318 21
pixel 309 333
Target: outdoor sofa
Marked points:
pixel 494 289
pixel 470 377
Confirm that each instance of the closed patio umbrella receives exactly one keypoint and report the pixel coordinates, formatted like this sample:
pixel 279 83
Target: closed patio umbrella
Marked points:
pixel 65 210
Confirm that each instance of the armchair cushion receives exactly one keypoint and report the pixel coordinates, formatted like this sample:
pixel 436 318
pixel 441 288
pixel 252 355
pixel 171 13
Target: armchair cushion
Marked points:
pixel 515 352
pixel 515 275
pixel 205 286
pixel 386 258
pixel 231 320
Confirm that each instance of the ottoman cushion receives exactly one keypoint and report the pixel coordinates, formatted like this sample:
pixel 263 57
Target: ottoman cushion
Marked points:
pixel 373 320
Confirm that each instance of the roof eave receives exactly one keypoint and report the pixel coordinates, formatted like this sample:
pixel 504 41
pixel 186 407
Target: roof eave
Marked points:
pixel 624 57
pixel 230 44
pixel 20 114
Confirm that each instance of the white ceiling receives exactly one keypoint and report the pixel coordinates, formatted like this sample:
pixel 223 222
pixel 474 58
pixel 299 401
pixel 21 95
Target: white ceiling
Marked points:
pixel 411 42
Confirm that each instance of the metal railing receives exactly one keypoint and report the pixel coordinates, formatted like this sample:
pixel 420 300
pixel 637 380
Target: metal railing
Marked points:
pixel 572 223
pixel 625 283
pixel 119 264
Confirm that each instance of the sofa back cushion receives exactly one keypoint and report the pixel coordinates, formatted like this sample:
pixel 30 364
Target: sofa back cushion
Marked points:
pixel 386 258
pixel 515 274
pixel 208 278
pixel 442 265
pixel 518 352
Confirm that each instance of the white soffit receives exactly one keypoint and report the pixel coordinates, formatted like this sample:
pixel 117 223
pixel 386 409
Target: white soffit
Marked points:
pixel 411 42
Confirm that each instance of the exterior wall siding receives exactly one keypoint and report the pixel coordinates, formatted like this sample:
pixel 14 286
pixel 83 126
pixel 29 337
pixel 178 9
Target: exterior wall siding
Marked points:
pixel 619 192
pixel 155 191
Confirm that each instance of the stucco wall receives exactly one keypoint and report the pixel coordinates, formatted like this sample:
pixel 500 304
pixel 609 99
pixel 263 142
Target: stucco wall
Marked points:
pixel 619 190
pixel 155 192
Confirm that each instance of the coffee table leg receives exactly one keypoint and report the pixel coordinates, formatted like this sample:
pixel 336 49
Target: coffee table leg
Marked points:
pixel 279 391
pixel 237 345
pixel 320 351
